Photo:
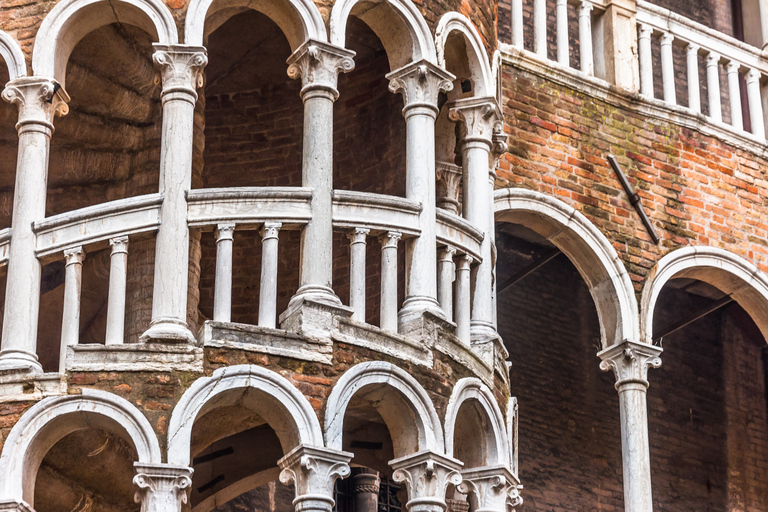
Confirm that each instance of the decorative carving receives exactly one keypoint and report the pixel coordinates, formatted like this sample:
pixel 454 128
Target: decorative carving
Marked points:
pixel 389 239
pixel 180 68
pixel 491 486
pixel 225 232
pixel 478 118
pixel 270 230
pixel 74 255
pixel 358 235
pixel 313 471
pixel 420 83
pixel 498 145
pixel 448 186
pixel 161 487
pixel 426 475
pixel 319 64
pixel 630 361
pixel 38 100
pixel 119 245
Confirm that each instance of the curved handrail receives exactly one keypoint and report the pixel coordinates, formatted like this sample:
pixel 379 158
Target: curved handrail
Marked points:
pixel 246 206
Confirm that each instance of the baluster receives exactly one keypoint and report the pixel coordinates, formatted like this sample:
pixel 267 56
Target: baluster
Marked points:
pixel 70 321
pixel 517 23
pixel 540 27
pixel 357 249
pixel 694 98
pixel 222 294
pixel 268 287
pixel 585 38
pixel 646 60
pixel 118 272
pixel 755 103
pixel 668 68
pixel 734 94
pixel 713 86
pixel 462 312
pixel 388 303
pixel 446 275
pixel 561 13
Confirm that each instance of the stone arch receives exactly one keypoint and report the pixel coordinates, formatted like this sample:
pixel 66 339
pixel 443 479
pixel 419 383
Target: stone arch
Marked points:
pixel 412 419
pixel 471 389
pixel 289 414
pixel 71 20
pixel 48 421
pixel 11 53
pixel 398 24
pixel 476 57
pixel 587 248
pixel 724 270
pixel 298 19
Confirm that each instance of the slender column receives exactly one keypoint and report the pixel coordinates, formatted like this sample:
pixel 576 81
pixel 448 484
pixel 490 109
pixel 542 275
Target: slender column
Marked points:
pixel 734 94
pixel 420 83
pixel 517 23
pixel 365 488
pixel 540 27
pixel 313 472
pixel 426 476
pixel 118 272
pixel 388 301
pixel 694 98
pixel 629 362
pixel 646 60
pixel 463 306
pixel 222 294
pixel 491 486
pixel 161 487
pixel 755 103
pixel 38 100
pixel 357 251
pixel 70 319
pixel 268 287
pixel 478 117
pixel 318 64
pixel 561 14
pixel 713 86
pixel 668 68
pixel 180 71
pixel 447 274
pixel 585 37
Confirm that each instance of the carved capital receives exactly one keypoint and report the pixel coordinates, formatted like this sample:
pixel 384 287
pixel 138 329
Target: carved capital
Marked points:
pixel 358 235
pixel 270 230
pixel 39 100
pixel 313 471
pixel 420 83
pixel 493 487
pixel 630 361
pixel 180 69
pixel 448 186
pixel 389 239
pixel 426 476
pixel 74 255
pixel 478 117
pixel 225 232
pixel 319 64
pixel 119 245
pixel 161 487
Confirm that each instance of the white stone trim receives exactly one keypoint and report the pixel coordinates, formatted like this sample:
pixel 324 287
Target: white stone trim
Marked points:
pixel 587 248
pixel 71 20
pixel 297 415
pixel 477 58
pixel 298 19
pixel 51 419
pixel 470 388
pixel 728 272
pixel 427 423
pixel 13 56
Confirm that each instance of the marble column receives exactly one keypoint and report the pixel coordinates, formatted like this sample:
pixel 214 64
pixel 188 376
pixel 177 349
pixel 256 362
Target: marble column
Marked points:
pixel 38 100
pixel 426 476
pixel 268 283
pixel 365 490
pixel 493 487
pixel 161 487
pixel 447 275
pixel 357 252
pixel 313 472
pixel 180 72
pixel 222 292
pixel 388 300
pixel 629 362
pixel 70 317
pixel 420 83
pixel 118 273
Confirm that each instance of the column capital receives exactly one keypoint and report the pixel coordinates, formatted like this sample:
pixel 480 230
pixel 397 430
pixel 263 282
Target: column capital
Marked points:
pixel 585 8
pixel 358 235
pixel 225 231
pixel 420 83
pixel 179 70
pixel 753 76
pixel 446 253
pixel 39 100
pixel 270 230
pixel 478 117
pixel 119 244
pixel 426 476
pixel 313 471
pixel 74 255
pixel 713 59
pixel 645 30
pixel 492 486
pixel 629 361
pixel 318 64
pixel 667 38
pixel 692 48
pixel 389 239
pixel 161 487
pixel 733 67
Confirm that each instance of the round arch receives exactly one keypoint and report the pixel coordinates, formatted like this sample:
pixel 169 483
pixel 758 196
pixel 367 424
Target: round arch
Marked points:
pixel 472 389
pixel 48 421
pixel 298 19
pixel 295 424
pixel 71 20
pixel 398 24
pixel 11 53
pixel 587 248
pixel 731 274
pixel 426 424
pixel 477 58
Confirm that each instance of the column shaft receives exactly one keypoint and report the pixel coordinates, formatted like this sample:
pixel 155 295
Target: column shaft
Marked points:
pixel 517 23
pixel 447 274
pixel 713 87
pixel 646 60
pixel 463 305
pixel 268 287
pixel 756 115
pixel 357 253
pixel 694 96
pixel 668 69
pixel 561 13
pixel 734 95
pixel 635 449
pixel 118 272
pixel 70 318
pixel 388 300
pixel 540 28
pixel 222 294
pixel 585 37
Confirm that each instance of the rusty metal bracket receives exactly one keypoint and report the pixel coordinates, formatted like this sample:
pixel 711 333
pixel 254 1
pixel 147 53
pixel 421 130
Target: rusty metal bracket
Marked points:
pixel 634 199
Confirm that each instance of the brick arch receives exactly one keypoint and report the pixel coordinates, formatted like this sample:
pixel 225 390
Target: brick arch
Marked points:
pixel 11 53
pixel 477 58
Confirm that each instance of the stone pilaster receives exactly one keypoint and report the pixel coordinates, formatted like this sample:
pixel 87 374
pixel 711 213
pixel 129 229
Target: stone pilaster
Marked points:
pixel 426 476
pixel 313 471
pixel 161 487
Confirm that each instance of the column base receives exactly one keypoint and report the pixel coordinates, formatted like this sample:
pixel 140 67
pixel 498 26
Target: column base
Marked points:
pixel 426 326
pixel 415 307
pixel 19 361
pixel 168 330
pixel 486 342
pixel 313 319
pixel 315 293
